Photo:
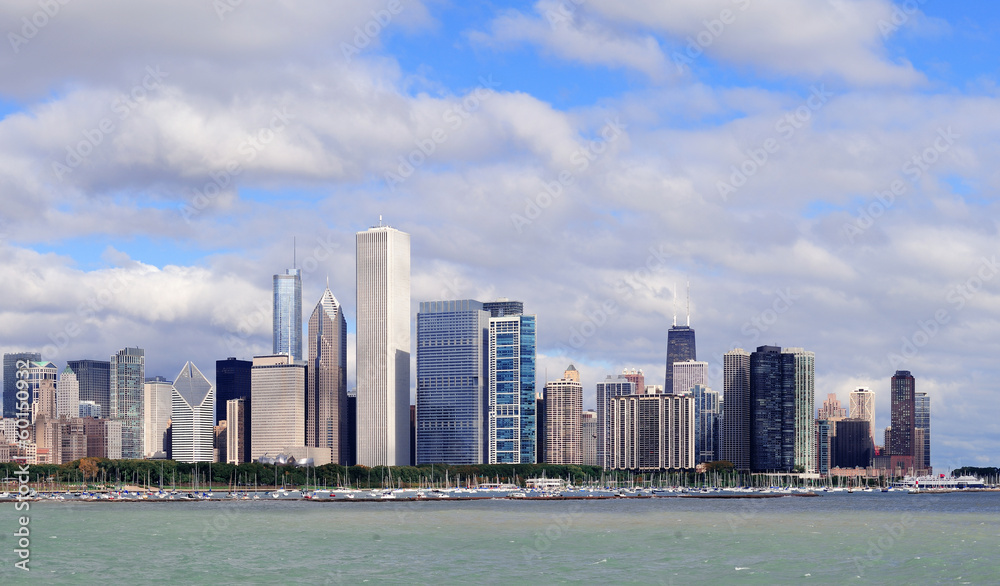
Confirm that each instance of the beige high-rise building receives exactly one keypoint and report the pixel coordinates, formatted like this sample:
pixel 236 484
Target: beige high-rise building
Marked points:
pixel 687 374
pixel 326 388
pixel 383 347
pixel 156 415
pixel 563 419
pixel 235 430
pixel 68 394
pixel 652 432
pixel 863 407
pixel 588 428
pixel 277 405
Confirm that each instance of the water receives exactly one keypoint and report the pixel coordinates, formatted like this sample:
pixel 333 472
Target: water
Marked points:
pixel 834 538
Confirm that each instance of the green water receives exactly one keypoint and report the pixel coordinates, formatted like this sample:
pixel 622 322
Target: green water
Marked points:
pixel 832 539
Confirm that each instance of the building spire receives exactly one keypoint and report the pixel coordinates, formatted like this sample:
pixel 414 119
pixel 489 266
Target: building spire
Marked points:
pixel 675 303
pixel 294 264
pixel 689 303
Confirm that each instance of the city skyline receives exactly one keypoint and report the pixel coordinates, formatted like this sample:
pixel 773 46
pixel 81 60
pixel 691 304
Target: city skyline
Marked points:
pixel 831 190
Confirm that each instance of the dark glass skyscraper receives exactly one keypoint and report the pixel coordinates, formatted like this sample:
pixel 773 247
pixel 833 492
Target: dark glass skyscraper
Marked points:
pixel 512 408
pixel 128 377
pixel 772 405
pixel 452 345
pixel 851 447
pixel 232 381
pixel 736 412
pixel 287 324
pixel 903 417
pixel 94 378
pixel 10 379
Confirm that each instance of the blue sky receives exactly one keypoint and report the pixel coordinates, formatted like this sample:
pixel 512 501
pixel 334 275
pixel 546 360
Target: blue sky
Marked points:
pixel 650 209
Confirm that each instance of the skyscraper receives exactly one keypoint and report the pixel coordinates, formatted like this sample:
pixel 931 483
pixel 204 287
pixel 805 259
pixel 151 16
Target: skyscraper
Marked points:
pixel 563 415
pixel 232 381
pixel 922 421
pixel 94 378
pixel 652 432
pixel 503 307
pixel 637 377
pixel 736 412
pixel 607 390
pixel 192 434
pixel 128 375
pixel 10 379
pixel 39 372
pixel 287 320
pixel 706 422
pixel 863 407
pixel 903 416
pixel 511 405
pixel 680 343
pixel 237 438
pixel 687 374
pixel 452 345
pixel 851 447
pixel 772 403
pixel 831 409
pixel 588 428
pixel 157 411
pixel 805 407
pixel 68 393
pixel 278 405
pixel 383 347
pixel 326 388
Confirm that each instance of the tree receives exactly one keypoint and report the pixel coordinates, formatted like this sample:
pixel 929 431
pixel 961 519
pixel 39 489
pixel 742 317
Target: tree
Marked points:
pixel 88 466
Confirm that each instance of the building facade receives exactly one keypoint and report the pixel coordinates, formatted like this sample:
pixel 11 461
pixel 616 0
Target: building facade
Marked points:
pixel 326 389
pixel 851 447
pixel 805 408
pixel 736 412
pixel 563 416
pixel 588 429
pixel 707 414
pixel 862 405
pixel 452 356
pixel 192 428
pixel 237 438
pixel 607 390
pixel 511 401
pixel 903 417
pixel 687 374
pixel 680 348
pixel 922 422
pixel 128 377
pixel 652 432
pixel 157 411
pixel 286 336
pixel 68 394
pixel 94 378
pixel 232 381
pixel 772 401
pixel 278 405
pixel 383 347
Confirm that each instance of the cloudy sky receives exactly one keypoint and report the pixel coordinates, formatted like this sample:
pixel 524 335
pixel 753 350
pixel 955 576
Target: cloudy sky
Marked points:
pixel 819 171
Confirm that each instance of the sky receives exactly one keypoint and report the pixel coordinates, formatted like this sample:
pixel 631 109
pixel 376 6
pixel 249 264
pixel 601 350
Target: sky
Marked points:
pixel 818 172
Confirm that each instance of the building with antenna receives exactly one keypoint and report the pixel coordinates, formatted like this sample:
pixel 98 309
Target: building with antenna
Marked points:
pixel 287 320
pixel 680 342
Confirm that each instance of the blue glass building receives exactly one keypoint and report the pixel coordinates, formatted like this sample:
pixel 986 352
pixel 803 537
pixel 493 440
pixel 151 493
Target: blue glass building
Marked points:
pixel 10 379
pixel 94 378
pixel 772 406
pixel 452 343
pixel 706 424
pixel 512 406
pixel 287 324
pixel 680 348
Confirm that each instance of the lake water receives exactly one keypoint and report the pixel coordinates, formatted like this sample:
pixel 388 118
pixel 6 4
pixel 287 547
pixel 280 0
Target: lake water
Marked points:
pixel 834 538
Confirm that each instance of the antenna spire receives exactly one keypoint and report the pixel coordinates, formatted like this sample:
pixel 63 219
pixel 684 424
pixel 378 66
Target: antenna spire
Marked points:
pixel 689 303
pixel 294 263
pixel 675 303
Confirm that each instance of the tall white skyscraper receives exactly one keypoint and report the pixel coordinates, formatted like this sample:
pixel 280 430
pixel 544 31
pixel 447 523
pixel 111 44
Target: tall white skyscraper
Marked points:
pixel 157 410
pixel 687 374
pixel 863 407
pixel 192 433
pixel 383 347
pixel 68 394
